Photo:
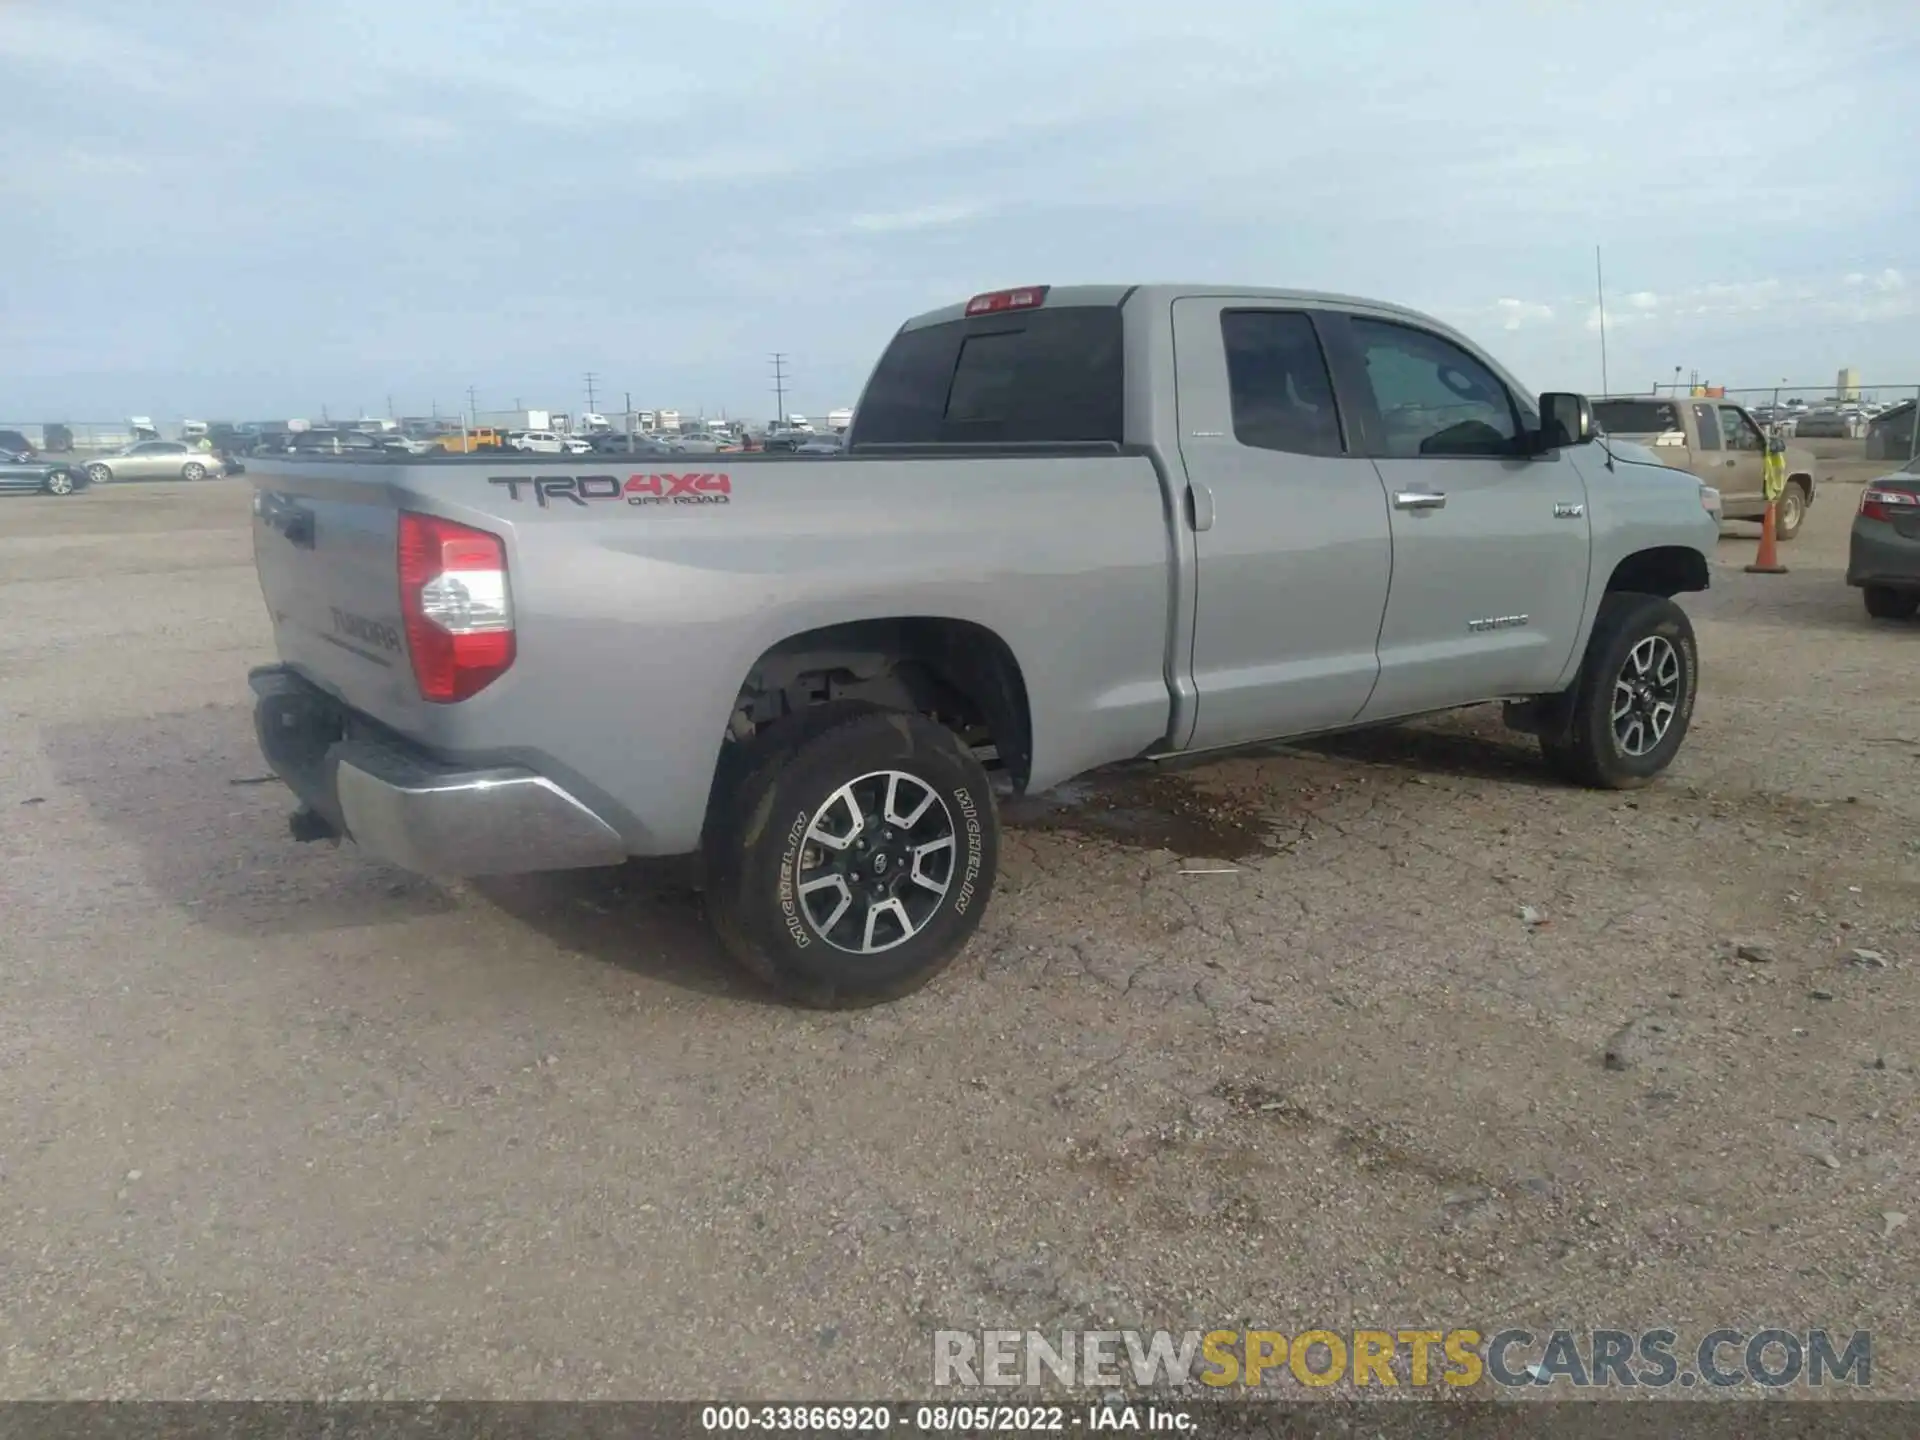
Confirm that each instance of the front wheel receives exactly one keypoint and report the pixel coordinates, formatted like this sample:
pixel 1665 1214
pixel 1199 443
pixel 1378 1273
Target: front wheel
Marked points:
pixel 851 860
pixel 1634 699
pixel 1886 603
pixel 1789 511
pixel 193 470
pixel 60 482
pixel 98 474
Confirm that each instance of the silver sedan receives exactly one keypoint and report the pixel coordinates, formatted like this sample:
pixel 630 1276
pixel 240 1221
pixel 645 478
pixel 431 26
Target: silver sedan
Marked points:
pixel 153 460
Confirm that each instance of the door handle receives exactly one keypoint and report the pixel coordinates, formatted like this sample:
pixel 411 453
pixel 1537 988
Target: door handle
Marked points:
pixel 1419 500
pixel 1200 505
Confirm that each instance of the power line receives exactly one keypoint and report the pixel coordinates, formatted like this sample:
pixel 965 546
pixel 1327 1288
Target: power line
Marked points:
pixel 781 375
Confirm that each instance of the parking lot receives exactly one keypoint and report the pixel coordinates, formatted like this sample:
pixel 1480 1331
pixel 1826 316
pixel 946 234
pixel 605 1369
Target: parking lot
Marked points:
pixel 1266 1041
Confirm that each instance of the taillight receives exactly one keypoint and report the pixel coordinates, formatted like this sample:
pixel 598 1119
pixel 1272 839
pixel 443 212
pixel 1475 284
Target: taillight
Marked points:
pixel 1027 298
pixel 458 610
pixel 1883 504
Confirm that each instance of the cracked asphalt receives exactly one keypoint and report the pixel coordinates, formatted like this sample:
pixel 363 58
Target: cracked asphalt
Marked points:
pixel 1266 1041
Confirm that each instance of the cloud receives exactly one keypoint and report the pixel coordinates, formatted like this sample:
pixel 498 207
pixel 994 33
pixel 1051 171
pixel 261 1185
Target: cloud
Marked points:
pixel 924 217
pixel 438 194
pixel 1517 314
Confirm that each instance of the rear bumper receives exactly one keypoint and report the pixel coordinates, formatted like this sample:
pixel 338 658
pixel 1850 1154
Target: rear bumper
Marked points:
pixel 407 806
pixel 1880 555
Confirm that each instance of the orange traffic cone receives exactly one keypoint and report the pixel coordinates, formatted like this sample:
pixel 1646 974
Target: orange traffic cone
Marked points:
pixel 1767 562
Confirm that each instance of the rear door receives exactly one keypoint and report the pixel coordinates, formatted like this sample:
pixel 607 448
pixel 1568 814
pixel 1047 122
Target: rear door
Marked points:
pixel 1490 545
pixel 1710 460
pixel 1292 535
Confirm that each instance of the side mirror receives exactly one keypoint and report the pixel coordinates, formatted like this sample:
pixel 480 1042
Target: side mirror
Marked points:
pixel 1565 419
pixel 1776 446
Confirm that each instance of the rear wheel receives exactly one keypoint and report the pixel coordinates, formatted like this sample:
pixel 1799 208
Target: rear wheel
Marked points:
pixel 1886 603
pixel 1634 699
pixel 1789 511
pixel 193 470
pixel 852 855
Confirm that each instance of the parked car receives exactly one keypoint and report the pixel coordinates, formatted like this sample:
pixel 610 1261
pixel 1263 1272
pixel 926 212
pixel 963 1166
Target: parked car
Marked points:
pixel 1824 425
pixel 536 442
pixel 576 445
pixel 616 444
pixel 1075 526
pixel 1890 434
pixel 821 445
pixel 1720 444
pixel 59 439
pixel 24 470
pixel 12 442
pixel 1883 554
pixel 483 438
pixel 342 442
pixel 153 460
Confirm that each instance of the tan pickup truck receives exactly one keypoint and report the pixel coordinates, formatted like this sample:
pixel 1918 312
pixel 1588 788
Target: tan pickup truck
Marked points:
pixel 1720 443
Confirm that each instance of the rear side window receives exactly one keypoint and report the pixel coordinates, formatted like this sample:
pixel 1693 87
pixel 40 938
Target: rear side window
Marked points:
pixel 1636 417
pixel 1277 379
pixel 1042 377
pixel 1709 426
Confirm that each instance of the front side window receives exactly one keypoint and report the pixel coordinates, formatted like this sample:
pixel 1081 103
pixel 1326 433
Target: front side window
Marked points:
pixel 1435 400
pixel 1281 393
pixel 1739 430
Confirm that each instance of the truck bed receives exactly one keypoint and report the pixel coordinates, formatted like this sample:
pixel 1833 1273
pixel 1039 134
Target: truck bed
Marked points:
pixel 645 589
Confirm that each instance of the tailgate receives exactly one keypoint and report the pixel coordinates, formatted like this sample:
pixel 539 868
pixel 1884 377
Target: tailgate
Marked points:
pixel 325 544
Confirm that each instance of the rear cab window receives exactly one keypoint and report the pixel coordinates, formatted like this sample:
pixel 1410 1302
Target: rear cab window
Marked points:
pixel 1031 377
pixel 1637 417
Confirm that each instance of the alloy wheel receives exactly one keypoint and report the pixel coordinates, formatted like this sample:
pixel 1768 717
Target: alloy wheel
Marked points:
pixel 877 862
pixel 1646 695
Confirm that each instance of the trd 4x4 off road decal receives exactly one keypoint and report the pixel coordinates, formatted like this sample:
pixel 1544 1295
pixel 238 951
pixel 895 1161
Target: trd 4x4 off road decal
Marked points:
pixel 693 488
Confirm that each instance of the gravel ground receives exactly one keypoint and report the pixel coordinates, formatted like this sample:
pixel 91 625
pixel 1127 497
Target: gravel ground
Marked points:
pixel 1265 1041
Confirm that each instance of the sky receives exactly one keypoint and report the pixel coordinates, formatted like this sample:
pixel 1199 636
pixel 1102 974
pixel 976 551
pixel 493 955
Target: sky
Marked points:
pixel 221 210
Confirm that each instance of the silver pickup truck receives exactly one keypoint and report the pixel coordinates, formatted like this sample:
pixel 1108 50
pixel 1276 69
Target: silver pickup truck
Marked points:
pixel 1072 527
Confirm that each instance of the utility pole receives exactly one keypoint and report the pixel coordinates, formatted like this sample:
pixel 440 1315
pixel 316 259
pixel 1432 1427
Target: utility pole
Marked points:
pixel 390 414
pixel 1600 294
pixel 592 409
pixel 781 375
pixel 473 408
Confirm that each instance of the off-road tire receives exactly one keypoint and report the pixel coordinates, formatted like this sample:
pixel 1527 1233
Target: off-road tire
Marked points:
pixel 1790 511
pixel 755 845
pixel 1588 751
pixel 1886 603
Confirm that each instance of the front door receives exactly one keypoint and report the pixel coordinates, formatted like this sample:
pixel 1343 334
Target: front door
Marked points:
pixel 1490 546
pixel 1291 528
pixel 1746 458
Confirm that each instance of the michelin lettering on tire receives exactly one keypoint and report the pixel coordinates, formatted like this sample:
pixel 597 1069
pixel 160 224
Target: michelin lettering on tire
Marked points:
pixel 788 893
pixel 971 815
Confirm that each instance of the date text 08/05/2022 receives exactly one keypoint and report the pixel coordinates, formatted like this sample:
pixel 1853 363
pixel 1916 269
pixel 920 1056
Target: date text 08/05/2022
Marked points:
pixel 947 1419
